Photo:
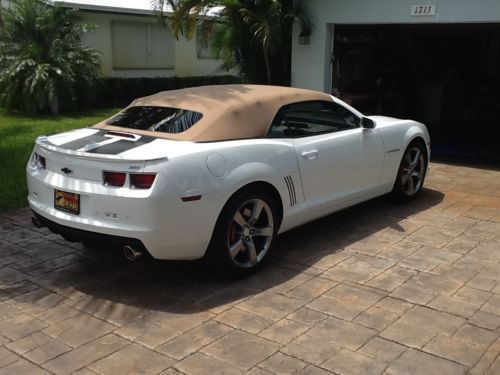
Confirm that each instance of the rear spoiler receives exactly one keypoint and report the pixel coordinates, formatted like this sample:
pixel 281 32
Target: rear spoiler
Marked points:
pixel 44 143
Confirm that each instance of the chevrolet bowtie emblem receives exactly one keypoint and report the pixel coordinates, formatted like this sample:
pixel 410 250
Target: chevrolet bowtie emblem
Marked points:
pixel 66 170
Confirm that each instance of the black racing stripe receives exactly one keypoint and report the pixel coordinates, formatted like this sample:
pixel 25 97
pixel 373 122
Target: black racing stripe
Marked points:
pixel 82 142
pixel 121 146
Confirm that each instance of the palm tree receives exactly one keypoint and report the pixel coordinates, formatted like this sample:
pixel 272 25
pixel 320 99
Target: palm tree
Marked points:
pixel 43 64
pixel 252 35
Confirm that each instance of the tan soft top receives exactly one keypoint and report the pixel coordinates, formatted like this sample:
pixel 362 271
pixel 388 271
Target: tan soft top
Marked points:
pixel 229 111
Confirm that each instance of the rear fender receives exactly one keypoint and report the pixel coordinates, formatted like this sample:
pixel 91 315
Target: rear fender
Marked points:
pixel 255 172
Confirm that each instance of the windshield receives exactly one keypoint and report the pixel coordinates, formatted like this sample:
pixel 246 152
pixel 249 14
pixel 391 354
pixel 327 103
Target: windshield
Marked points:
pixel 156 119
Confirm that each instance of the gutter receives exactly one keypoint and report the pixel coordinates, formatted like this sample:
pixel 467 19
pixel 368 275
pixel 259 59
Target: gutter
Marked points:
pixel 120 10
pixel 103 8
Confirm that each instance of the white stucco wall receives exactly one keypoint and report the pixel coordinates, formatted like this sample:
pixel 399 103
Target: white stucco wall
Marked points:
pixel 311 63
pixel 186 62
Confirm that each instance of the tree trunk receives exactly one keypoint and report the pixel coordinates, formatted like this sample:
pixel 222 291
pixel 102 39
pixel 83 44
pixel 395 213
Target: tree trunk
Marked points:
pixel 54 106
pixel 268 66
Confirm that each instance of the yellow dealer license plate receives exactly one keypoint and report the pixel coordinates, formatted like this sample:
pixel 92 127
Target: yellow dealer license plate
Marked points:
pixel 68 202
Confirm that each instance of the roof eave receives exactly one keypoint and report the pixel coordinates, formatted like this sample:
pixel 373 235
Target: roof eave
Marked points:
pixel 104 8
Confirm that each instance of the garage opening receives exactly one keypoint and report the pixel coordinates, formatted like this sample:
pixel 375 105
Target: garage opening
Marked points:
pixel 446 76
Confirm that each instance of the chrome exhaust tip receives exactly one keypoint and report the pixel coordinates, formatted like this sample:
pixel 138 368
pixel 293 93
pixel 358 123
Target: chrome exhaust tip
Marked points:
pixel 36 222
pixel 131 254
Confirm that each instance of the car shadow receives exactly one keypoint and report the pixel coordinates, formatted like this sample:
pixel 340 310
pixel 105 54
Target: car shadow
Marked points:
pixel 190 287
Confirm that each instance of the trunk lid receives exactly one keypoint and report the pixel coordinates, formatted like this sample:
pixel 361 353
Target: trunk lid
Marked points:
pixel 86 153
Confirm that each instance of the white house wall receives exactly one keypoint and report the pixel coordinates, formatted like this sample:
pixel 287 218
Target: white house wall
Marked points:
pixel 311 63
pixel 186 62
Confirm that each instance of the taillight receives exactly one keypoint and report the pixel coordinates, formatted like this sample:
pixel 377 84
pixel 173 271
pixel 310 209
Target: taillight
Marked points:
pixel 114 178
pixel 40 161
pixel 142 181
pixel 137 180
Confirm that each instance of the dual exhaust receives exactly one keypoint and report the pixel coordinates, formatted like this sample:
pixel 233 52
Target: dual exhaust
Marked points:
pixel 128 251
pixel 131 254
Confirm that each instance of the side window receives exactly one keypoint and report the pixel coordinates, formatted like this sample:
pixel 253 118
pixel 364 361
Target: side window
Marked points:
pixel 311 118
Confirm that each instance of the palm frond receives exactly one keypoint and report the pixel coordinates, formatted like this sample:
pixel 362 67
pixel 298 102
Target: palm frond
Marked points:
pixel 42 59
pixel 253 36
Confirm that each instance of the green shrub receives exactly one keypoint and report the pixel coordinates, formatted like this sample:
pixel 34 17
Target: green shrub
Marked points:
pixel 44 67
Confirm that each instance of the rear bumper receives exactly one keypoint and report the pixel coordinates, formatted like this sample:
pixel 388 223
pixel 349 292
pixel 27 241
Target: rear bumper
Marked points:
pixel 79 235
pixel 159 222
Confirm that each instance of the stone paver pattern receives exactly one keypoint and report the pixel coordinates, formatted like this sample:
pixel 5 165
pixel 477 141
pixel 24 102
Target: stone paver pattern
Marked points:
pixel 381 288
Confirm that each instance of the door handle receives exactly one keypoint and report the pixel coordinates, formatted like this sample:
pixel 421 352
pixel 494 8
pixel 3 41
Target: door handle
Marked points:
pixel 310 155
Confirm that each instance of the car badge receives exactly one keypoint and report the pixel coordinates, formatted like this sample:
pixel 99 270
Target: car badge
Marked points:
pixel 66 170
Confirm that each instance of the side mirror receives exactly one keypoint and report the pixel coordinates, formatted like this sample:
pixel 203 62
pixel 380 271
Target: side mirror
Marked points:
pixel 367 123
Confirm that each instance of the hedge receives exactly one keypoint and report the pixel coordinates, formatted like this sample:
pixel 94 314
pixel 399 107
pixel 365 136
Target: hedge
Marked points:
pixel 119 92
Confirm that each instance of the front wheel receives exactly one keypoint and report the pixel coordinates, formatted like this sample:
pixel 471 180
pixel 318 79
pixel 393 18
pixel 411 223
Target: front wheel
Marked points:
pixel 411 173
pixel 244 233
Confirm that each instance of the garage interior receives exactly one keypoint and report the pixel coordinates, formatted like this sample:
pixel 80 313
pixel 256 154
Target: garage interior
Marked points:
pixel 444 75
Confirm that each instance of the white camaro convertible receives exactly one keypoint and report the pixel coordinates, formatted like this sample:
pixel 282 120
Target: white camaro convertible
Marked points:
pixel 219 171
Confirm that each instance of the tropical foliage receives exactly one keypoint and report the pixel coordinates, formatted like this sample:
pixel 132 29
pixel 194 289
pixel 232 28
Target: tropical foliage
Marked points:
pixel 43 64
pixel 254 36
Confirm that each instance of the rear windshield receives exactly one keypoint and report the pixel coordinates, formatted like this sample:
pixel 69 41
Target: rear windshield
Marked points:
pixel 156 119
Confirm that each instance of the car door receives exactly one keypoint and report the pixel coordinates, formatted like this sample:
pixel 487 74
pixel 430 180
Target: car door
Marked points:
pixel 338 160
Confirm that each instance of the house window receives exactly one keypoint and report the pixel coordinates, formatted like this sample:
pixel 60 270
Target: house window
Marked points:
pixel 138 45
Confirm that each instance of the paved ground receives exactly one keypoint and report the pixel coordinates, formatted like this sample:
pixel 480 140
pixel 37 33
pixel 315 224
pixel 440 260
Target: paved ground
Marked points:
pixel 380 288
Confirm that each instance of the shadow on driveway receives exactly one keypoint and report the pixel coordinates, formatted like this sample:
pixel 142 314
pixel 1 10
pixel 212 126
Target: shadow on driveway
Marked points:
pixel 188 287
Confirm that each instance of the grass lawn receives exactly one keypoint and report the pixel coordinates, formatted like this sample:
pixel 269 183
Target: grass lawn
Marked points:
pixel 17 137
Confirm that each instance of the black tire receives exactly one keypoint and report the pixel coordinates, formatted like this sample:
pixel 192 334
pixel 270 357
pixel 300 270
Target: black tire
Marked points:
pixel 250 234
pixel 411 173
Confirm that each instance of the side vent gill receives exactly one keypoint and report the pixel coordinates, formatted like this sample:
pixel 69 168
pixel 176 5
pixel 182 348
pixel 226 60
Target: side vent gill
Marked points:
pixel 291 190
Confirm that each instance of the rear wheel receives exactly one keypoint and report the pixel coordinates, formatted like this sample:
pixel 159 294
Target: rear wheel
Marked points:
pixel 411 173
pixel 244 233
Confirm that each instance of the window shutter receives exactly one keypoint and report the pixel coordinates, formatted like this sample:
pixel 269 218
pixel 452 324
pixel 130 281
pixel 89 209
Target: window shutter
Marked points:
pixel 129 45
pixel 162 48
pixel 137 45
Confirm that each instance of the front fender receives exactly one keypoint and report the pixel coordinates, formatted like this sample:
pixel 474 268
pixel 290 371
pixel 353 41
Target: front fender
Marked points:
pixel 397 135
pixel 418 130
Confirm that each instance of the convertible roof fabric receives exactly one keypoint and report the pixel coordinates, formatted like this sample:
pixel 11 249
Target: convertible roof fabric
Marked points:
pixel 229 111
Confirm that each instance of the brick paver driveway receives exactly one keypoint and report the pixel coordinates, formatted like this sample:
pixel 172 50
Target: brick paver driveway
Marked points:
pixel 378 288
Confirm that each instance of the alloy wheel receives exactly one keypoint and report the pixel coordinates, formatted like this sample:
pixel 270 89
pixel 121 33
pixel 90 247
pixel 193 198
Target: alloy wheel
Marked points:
pixel 250 233
pixel 413 171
